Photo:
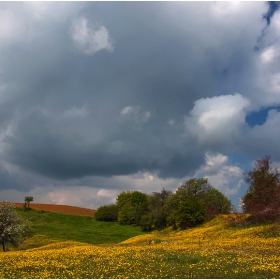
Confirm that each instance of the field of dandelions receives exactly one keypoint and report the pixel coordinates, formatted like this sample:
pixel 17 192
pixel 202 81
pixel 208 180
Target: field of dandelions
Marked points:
pixel 213 250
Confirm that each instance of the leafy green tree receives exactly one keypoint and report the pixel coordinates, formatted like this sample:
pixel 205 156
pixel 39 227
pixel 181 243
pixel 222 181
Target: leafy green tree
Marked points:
pixel 157 214
pixel 194 187
pixel 123 198
pixel 262 199
pixel 12 228
pixel 126 215
pixel 189 213
pixel 215 203
pixel 27 201
pixel 131 206
pixel 107 213
pixel 200 192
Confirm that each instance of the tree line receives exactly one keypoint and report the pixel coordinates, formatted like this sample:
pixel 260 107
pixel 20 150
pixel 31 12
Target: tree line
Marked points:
pixel 194 202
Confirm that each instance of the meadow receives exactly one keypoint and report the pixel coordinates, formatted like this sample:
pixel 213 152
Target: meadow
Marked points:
pixel 212 250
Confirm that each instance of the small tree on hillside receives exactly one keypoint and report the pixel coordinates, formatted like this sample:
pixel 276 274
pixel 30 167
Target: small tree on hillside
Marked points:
pixel 262 199
pixel 12 228
pixel 27 201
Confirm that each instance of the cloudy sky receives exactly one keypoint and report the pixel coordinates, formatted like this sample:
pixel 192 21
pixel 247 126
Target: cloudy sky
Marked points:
pixel 102 97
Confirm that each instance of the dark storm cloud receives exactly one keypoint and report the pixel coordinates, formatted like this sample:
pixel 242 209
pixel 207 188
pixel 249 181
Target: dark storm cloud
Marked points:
pixel 107 89
pixel 48 147
pixel 273 7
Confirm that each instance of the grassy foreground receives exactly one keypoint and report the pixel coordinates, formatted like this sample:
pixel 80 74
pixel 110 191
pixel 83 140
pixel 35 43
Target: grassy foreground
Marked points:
pixel 213 250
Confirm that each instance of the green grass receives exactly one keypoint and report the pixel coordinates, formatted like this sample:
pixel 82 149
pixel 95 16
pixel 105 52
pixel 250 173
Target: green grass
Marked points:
pixel 65 227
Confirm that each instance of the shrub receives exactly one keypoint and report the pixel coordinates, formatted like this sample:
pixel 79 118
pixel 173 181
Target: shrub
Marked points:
pixel 107 213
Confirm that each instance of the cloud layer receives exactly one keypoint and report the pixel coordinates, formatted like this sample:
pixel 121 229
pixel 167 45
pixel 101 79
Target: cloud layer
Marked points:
pixel 133 95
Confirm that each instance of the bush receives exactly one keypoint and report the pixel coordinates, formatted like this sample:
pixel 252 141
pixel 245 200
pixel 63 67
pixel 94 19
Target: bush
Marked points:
pixel 107 213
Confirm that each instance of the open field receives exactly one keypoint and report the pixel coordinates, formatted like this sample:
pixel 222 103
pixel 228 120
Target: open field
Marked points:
pixel 213 250
pixel 60 209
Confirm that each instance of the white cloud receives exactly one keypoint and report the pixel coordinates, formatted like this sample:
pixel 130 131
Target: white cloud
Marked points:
pixel 10 26
pixel 90 40
pixel 147 182
pixel 217 119
pixel 221 175
pixel 129 110
pixel 134 113
pixel 268 54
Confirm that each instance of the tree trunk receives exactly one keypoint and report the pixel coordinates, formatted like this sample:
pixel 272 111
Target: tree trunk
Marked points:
pixel 3 246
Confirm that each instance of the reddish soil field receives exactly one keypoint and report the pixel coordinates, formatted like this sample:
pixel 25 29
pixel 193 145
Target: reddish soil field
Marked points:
pixel 60 208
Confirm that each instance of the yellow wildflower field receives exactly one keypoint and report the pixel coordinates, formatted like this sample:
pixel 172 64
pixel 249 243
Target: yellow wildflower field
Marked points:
pixel 213 250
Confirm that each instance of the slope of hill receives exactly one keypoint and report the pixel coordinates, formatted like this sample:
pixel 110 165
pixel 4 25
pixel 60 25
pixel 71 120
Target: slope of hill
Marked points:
pixel 60 209
pixel 49 227
pixel 212 250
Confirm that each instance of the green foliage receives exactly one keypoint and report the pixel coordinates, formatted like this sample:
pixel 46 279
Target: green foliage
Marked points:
pixel 131 206
pixel 189 213
pixel 27 201
pixel 194 201
pixel 194 187
pixel 13 229
pixel 157 214
pixel 127 215
pixel 215 203
pixel 123 198
pixel 107 213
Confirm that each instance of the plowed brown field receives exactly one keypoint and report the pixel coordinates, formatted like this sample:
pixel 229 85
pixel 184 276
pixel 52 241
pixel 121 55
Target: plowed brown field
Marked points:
pixel 60 209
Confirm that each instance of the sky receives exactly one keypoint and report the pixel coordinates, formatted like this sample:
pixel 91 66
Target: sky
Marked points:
pixel 97 98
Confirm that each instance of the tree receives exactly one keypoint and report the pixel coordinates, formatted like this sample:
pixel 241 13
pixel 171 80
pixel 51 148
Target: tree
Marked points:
pixel 12 228
pixel 262 199
pixel 131 207
pixel 107 213
pixel 215 203
pixel 199 200
pixel 123 198
pixel 157 214
pixel 27 201
pixel 189 213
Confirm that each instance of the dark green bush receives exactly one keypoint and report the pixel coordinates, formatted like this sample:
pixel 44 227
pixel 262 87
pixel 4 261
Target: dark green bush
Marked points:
pixel 107 213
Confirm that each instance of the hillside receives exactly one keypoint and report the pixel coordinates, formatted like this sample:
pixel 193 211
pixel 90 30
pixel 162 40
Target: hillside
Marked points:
pixel 47 227
pixel 212 250
pixel 60 209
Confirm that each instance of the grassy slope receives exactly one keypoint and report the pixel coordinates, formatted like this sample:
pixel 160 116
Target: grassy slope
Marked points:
pixel 49 226
pixel 212 250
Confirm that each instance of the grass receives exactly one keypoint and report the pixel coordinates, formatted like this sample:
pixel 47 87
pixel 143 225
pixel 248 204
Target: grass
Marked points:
pixel 212 250
pixel 64 227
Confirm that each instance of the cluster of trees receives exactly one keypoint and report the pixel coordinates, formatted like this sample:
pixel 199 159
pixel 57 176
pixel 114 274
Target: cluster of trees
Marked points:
pixel 194 202
pixel 262 199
